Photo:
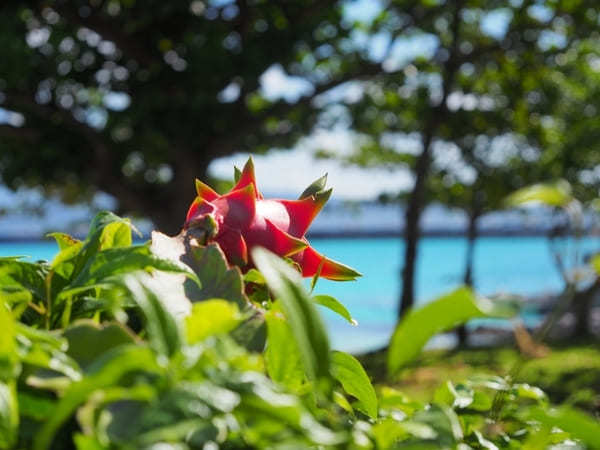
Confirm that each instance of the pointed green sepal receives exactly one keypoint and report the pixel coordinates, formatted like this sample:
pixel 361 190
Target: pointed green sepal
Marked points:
pixel 237 174
pixel 315 187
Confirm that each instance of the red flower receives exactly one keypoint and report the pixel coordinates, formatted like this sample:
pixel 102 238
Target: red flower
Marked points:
pixel 243 219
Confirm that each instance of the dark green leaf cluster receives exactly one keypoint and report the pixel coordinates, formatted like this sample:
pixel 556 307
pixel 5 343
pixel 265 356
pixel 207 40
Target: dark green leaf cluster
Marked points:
pixel 94 355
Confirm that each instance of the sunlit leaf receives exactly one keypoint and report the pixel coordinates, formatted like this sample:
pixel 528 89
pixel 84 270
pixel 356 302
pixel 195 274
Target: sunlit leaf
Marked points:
pixel 578 424
pixel 211 317
pixel 9 414
pixel 282 355
pixel 440 315
pixel 551 194
pixel 304 320
pixel 163 330
pixel 334 304
pixel 349 372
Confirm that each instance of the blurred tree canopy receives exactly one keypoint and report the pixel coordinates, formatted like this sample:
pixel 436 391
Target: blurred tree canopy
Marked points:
pixel 135 98
pixel 477 98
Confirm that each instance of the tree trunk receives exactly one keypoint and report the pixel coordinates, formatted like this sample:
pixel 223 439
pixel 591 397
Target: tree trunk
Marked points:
pixel 461 331
pixel 417 196
pixel 582 304
pixel 412 231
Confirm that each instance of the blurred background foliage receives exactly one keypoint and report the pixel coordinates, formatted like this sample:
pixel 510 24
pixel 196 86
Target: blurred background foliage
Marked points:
pixel 135 99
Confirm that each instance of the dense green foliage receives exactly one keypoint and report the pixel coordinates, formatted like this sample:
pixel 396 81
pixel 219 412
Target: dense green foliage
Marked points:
pixel 136 98
pixel 91 357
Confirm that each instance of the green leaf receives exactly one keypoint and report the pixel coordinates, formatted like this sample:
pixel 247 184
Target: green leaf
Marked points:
pixel 254 276
pixel 211 317
pixel 105 372
pixel 8 356
pixel 114 230
pixel 455 397
pixel 350 373
pixel 595 261
pixel 304 320
pixel 315 187
pixel 578 424
pixel 333 304
pixel 63 240
pixel 440 315
pixel 107 230
pixel 64 263
pixel 389 432
pixel 118 261
pixel 30 276
pixel 524 390
pixel 163 330
pixel 45 350
pixel 89 340
pixel 218 280
pixel 551 194
pixel 444 421
pixel 116 235
pixel 282 356
pixel 9 414
pixel 85 442
pixel 35 407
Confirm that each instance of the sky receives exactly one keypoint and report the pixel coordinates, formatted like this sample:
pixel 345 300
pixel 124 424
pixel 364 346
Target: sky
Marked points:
pixel 291 171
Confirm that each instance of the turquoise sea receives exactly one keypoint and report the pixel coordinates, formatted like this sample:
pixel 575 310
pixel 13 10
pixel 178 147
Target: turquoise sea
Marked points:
pixel 517 265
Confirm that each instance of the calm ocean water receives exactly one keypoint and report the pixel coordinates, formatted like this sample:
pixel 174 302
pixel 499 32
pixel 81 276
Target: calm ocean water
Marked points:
pixel 518 265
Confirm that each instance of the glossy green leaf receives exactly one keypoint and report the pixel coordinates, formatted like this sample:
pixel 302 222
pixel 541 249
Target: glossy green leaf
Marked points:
pixel 334 304
pixel 282 356
pixel 30 276
pixel 211 317
pixel 107 230
pixel 304 320
pixel 440 315
pixel 116 235
pixel 350 373
pixel 163 330
pixel 117 261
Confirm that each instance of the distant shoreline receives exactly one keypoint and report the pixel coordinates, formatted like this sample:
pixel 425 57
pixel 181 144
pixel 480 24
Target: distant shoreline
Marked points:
pixel 353 234
pixel 428 233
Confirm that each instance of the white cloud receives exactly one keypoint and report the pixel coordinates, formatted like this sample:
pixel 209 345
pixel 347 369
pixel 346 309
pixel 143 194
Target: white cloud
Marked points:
pixel 289 172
